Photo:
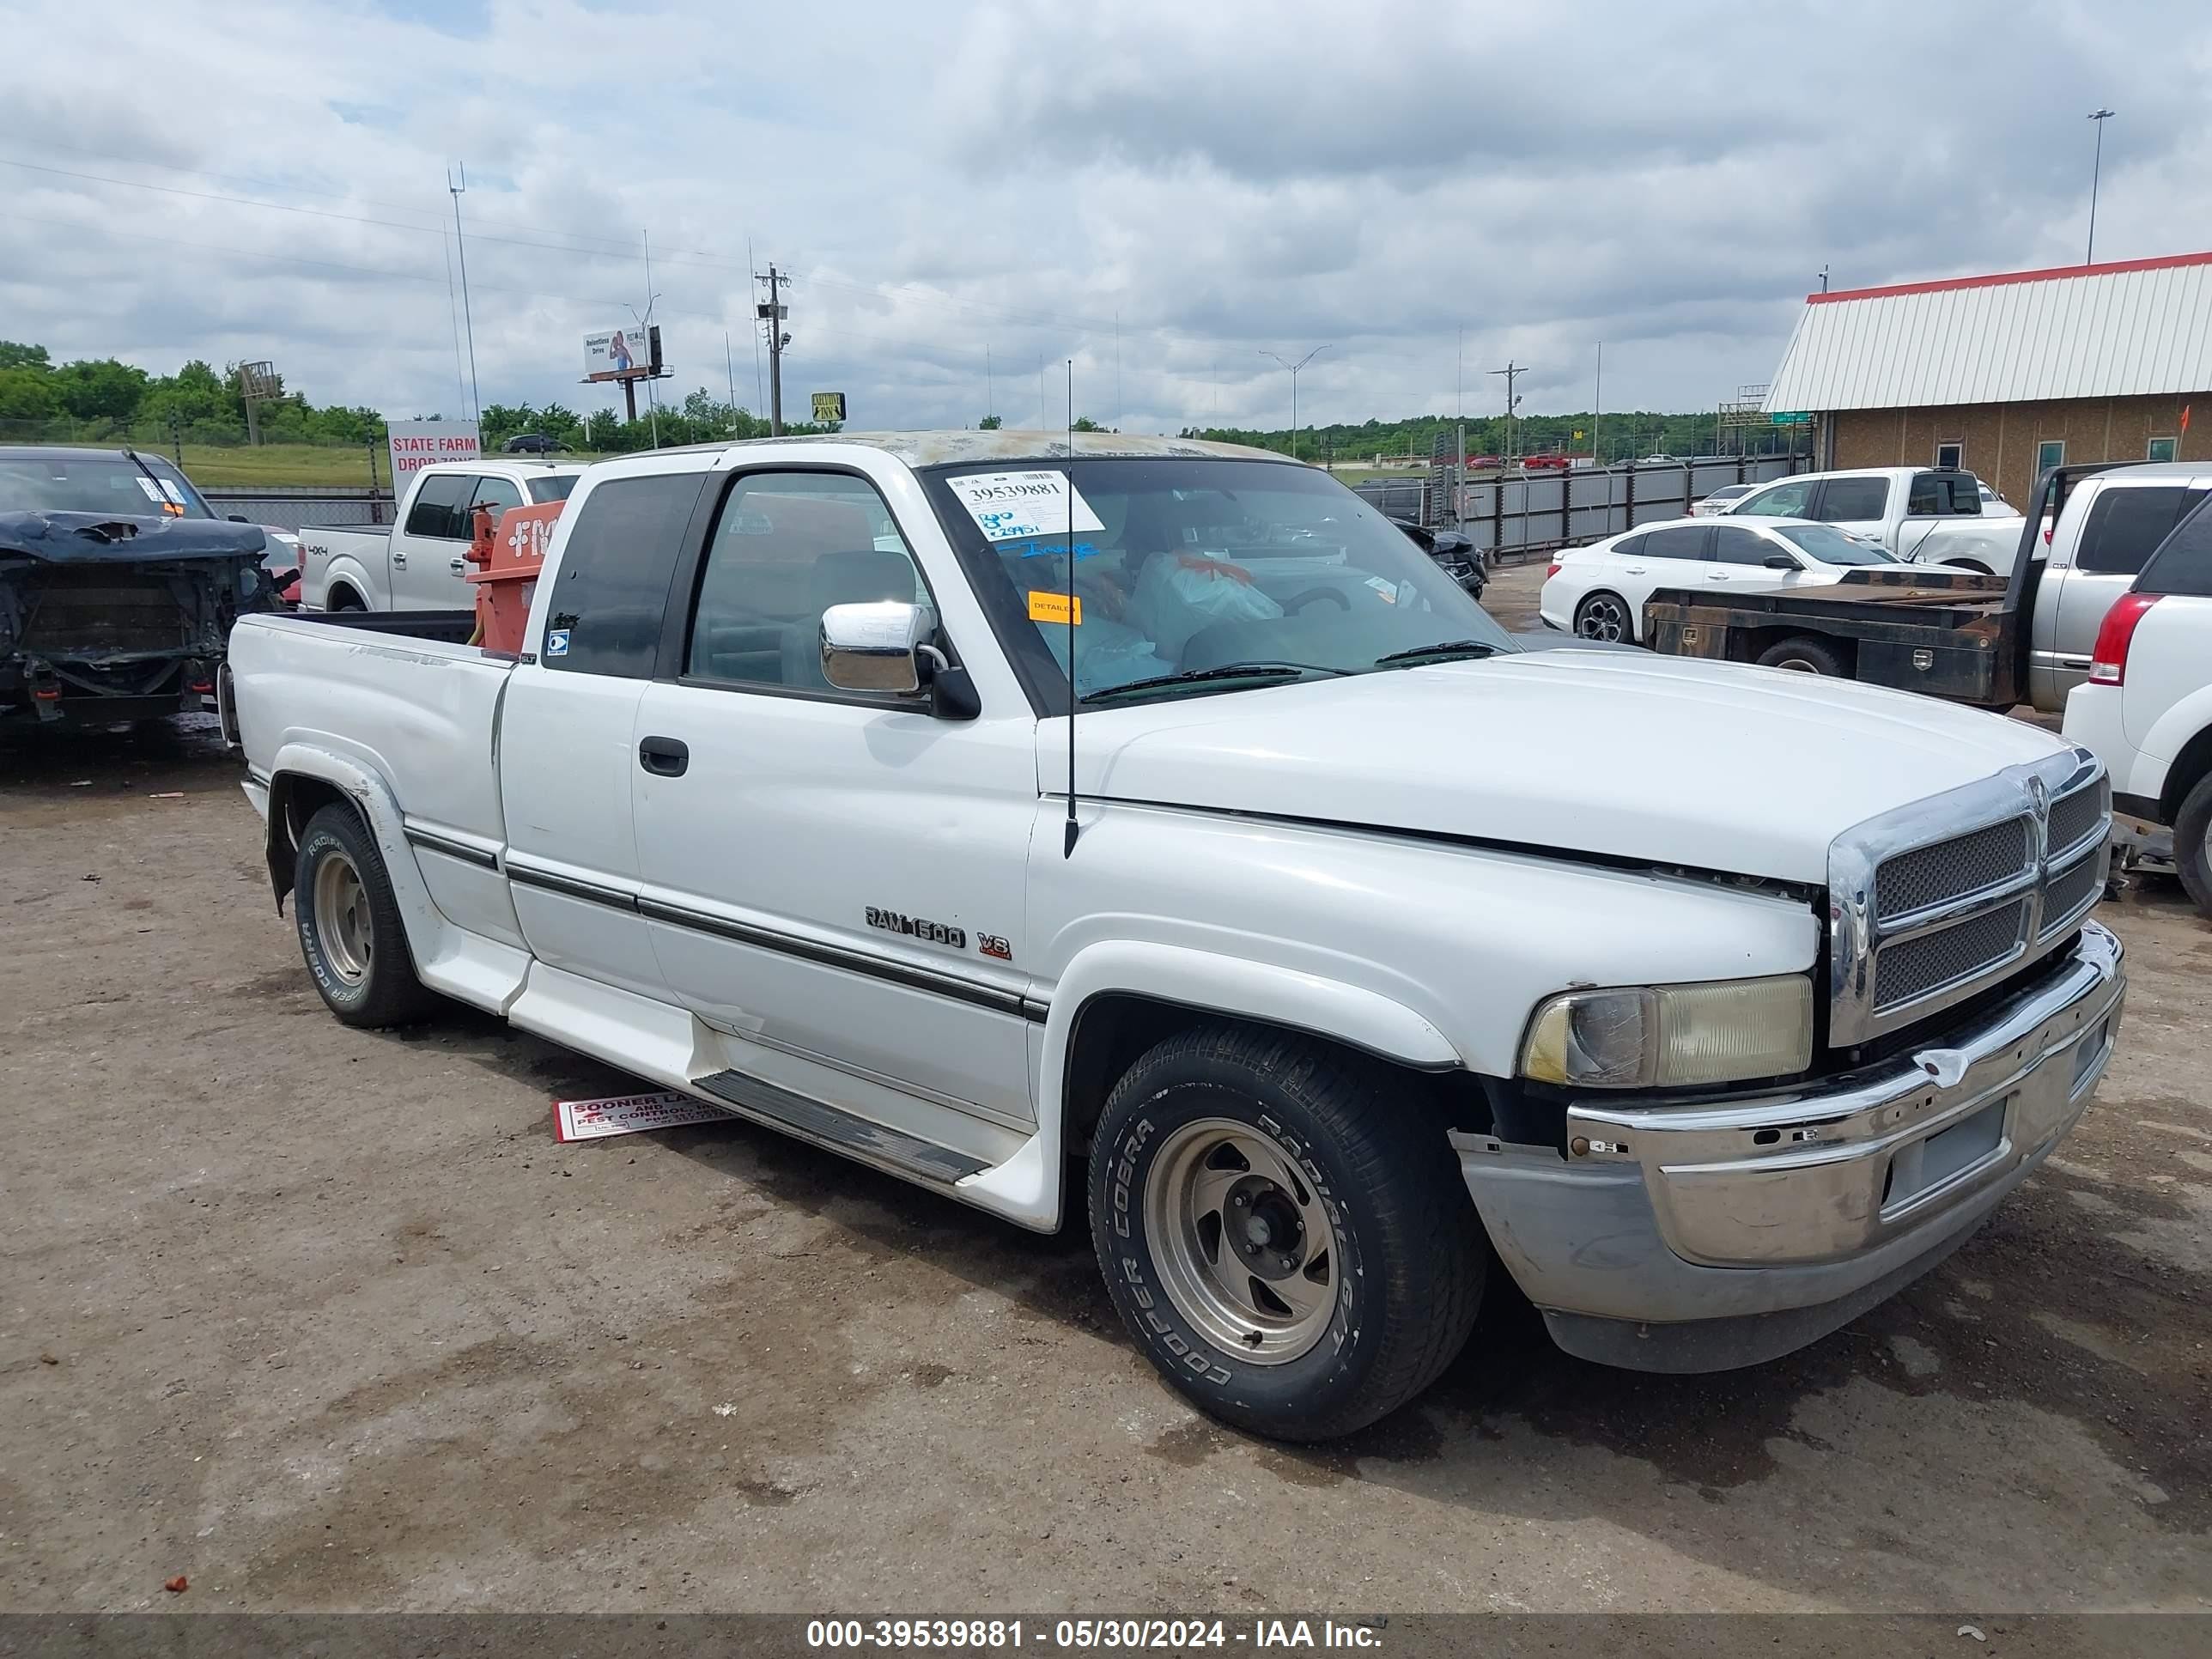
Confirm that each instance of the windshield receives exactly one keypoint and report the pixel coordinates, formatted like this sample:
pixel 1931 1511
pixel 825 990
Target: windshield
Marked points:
pixel 1830 546
pixel 109 484
pixel 1187 566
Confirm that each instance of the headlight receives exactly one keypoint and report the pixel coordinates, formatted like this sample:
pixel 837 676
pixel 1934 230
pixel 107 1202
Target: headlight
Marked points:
pixel 1661 1036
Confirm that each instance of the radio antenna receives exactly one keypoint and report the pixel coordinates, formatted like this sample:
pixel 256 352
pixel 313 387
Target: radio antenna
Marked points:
pixel 1067 845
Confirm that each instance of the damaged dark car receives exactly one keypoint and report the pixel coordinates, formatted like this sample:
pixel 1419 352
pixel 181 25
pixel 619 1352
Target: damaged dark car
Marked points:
pixel 119 586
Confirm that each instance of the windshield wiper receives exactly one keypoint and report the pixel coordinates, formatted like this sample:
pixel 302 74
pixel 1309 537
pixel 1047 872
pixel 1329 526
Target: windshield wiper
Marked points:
pixel 1442 648
pixel 1234 671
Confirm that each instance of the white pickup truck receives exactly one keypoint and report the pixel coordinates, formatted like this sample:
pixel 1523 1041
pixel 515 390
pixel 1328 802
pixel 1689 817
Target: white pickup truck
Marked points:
pixel 1360 955
pixel 1922 515
pixel 416 565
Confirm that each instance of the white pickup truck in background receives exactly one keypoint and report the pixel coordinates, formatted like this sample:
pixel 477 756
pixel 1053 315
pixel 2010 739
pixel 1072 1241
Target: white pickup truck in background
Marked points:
pixel 416 564
pixel 1922 515
pixel 1281 933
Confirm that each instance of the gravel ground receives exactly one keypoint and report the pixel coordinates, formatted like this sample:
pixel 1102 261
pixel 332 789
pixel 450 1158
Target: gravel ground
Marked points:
pixel 324 1319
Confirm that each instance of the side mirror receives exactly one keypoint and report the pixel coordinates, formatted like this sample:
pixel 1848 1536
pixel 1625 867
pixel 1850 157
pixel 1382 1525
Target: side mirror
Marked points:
pixel 879 646
pixel 1781 562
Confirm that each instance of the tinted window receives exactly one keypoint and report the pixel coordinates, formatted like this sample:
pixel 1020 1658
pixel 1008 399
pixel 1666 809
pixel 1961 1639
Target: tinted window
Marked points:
pixel 1844 500
pixel 557 489
pixel 1940 494
pixel 1784 500
pixel 1733 544
pixel 2183 563
pixel 1676 541
pixel 607 612
pixel 437 509
pixel 1832 546
pixel 497 494
pixel 787 547
pixel 2125 524
pixel 1629 547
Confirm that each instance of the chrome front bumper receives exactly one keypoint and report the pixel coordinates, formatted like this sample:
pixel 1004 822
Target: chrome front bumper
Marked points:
pixel 1696 1237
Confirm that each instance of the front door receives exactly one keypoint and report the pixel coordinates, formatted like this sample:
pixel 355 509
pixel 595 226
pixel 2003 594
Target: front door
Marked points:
pixel 837 876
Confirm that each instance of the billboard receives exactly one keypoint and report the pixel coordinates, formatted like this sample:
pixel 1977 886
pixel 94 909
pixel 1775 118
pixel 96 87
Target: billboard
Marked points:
pixel 828 406
pixel 622 353
pixel 416 444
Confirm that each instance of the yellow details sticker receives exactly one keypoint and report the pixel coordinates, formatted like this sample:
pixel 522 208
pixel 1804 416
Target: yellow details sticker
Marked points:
pixel 1057 608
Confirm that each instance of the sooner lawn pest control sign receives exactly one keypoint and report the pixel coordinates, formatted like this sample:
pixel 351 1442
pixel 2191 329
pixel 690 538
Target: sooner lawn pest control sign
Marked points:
pixel 626 1114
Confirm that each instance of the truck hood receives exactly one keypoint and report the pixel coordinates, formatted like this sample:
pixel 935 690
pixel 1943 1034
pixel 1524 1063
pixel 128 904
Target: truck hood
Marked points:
pixel 102 538
pixel 1626 755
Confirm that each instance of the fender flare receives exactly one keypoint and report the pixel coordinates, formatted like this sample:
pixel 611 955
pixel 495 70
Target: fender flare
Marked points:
pixel 1234 987
pixel 347 569
pixel 373 799
pixel 2168 740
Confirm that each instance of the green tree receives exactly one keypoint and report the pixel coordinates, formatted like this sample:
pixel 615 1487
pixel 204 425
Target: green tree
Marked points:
pixel 989 423
pixel 99 389
pixel 28 394
pixel 1084 423
pixel 15 355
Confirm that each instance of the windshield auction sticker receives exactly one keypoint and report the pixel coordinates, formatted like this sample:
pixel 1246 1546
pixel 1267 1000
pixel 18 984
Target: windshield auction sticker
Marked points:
pixel 1009 507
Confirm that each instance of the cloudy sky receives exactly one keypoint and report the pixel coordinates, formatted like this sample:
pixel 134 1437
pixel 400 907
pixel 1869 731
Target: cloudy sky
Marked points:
pixel 1157 190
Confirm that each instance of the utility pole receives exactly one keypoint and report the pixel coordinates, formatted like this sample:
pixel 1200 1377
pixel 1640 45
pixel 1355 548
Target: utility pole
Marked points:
pixel 729 368
pixel 457 190
pixel 1294 368
pixel 645 332
pixel 1597 406
pixel 2096 167
pixel 1510 371
pixel 1824 279
pixel 772 311
pixel 990 397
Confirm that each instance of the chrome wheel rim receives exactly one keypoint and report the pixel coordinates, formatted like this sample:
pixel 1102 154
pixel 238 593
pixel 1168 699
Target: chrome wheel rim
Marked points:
pixel 342 923
pixel 1603 619
pixel 1798 666
pixel 1242 1243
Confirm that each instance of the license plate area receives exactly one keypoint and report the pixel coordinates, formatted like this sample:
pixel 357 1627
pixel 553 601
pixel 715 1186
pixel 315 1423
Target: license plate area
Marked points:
pixel 1928 1166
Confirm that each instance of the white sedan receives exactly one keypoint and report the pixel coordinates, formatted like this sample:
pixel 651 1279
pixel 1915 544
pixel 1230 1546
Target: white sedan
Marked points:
pixel 1719 501
pixel 1598 592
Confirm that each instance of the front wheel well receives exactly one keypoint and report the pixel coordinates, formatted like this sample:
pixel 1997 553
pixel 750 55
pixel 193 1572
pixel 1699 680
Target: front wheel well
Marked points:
pixel 294 797
pixel 1115 1029
pixel 341 597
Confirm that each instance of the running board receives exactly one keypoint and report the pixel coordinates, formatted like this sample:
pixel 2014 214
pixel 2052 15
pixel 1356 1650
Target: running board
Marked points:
pixel 839 1129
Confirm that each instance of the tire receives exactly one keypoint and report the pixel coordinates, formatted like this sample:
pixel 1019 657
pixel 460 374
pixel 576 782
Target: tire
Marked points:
pixel 2193 843
pixel 1329 1145
pixel 1605 616
pixel 344 599
pixel 1807 653
pixel 350 932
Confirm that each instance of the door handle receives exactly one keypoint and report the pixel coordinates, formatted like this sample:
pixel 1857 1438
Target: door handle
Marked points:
pixel 460 567
pixel 1716 575
pixel 664 757
pixel 399 558
pixel 1633 569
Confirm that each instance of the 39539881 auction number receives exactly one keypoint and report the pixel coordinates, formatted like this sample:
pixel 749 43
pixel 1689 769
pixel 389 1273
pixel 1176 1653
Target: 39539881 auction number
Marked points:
pixel 1079 1634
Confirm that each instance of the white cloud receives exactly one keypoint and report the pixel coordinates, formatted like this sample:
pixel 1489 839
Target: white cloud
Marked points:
pixel 1010 180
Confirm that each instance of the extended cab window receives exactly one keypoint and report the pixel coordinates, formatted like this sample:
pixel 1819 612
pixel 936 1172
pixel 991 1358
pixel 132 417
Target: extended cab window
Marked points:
pixel 437 509
pixel 497 494
pixel 787 547
pixel 612 598
pixel 2124 524
pixel 1940 494
pixel 2183 563
pixel 1847 501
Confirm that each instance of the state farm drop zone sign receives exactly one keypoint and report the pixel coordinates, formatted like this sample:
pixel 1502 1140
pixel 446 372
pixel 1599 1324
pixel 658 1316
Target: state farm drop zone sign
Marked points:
pixel 416 444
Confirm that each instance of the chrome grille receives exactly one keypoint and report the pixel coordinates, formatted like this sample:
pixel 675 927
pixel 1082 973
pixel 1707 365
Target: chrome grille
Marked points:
pixel 1908 971
pixel 2074 816
pixel 2071 893
pixel 1942 898
pixel 1934 875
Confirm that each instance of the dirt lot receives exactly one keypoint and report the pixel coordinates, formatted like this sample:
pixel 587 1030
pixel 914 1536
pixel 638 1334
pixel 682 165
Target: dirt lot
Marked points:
pixel 324 1319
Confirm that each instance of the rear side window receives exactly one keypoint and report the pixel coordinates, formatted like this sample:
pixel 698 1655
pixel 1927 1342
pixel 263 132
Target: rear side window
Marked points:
pixel 1940 495
pixel 552 490
pixel 438 504
pixel 1733 544
pixel 607 612
pixel 1676 541
pixel 2125 524
pixel 1629 546
pixel 1845 500
pixel 2182 562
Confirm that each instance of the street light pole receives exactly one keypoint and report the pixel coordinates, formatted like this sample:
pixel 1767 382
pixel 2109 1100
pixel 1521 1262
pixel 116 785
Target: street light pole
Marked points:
pixel 2096 167
pixel 1294 368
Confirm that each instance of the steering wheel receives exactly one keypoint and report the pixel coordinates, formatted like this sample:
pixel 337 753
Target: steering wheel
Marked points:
pixel 1291 607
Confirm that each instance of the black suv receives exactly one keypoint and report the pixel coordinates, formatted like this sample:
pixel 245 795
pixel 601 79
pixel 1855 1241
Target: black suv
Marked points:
pixel 531 443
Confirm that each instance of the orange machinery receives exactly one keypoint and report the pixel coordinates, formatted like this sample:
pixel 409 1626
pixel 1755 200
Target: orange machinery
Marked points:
pixel 506 552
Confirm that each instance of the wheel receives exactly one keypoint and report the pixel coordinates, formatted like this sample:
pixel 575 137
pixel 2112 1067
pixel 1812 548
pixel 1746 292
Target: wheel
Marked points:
pixel 349 928
pixel 1604 616
pixel 1283 1230
pixel 1807 654
pixel 344 599
pixel 2193 843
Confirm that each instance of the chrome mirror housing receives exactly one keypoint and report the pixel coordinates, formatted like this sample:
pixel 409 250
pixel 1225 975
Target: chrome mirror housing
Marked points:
pixel 877 647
